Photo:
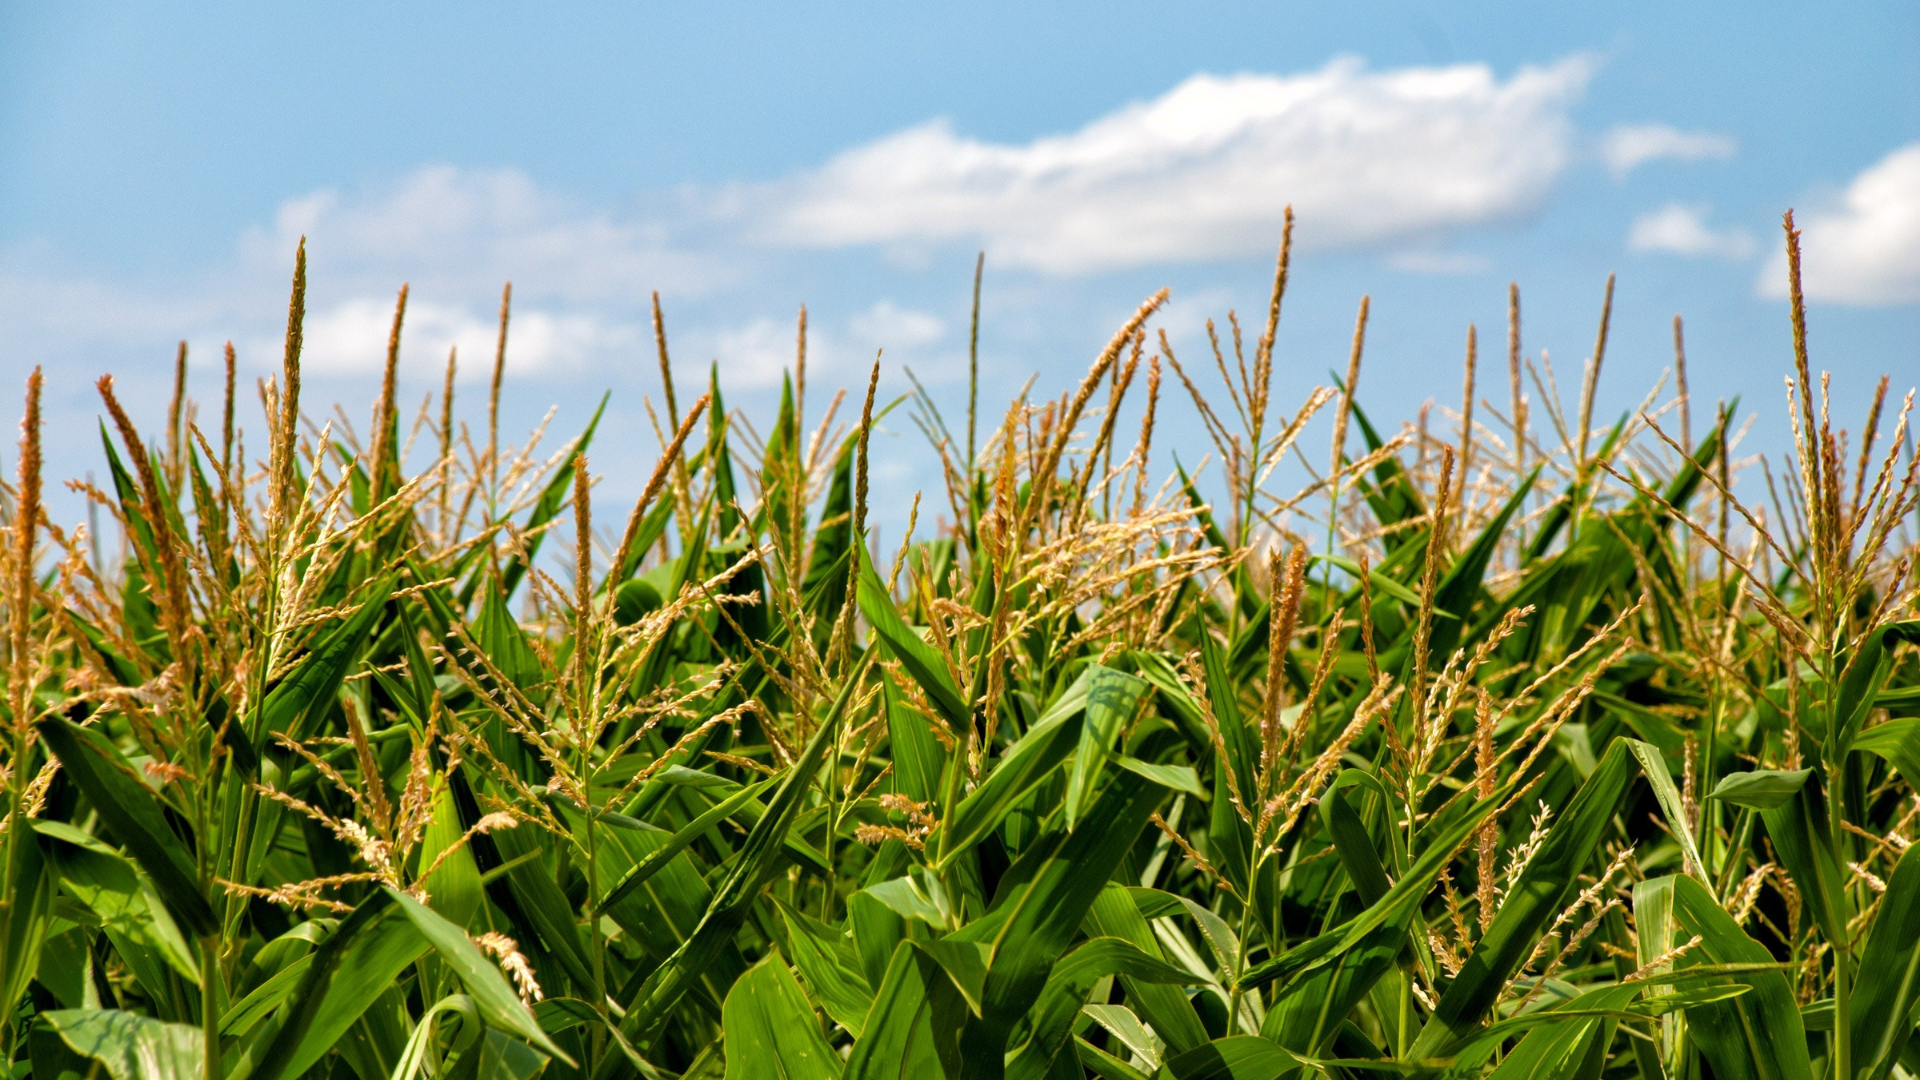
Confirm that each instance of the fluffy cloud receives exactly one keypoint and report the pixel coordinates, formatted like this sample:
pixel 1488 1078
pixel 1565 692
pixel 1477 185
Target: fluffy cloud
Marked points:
pixel 1629 146
pixel 1205 170
pixel 754 355
pixel 1683 230
pixel 350 338
pixel 1865 247
pixel 464 231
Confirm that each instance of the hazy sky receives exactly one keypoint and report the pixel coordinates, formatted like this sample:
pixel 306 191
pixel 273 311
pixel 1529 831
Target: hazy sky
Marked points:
pixel 158 162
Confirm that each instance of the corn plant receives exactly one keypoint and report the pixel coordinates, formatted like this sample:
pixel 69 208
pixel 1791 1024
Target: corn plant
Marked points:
pixel 1498 747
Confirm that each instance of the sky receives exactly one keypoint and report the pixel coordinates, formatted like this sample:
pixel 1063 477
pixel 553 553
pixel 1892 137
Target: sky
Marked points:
pixel 159 162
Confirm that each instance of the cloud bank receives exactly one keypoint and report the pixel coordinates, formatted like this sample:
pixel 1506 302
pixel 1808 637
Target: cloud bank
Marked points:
pixel 1863 248
pixel 1205 170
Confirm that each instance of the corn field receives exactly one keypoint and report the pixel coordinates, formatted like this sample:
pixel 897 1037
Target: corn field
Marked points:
pixel 1517 742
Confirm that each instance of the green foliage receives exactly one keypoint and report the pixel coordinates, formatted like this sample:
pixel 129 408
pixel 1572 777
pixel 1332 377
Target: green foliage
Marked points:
pixel 1553 761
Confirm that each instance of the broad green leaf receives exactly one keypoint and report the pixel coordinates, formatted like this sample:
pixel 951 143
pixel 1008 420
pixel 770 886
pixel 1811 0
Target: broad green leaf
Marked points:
pixel 694 829
pixel 1653 765
pixel 127 906
pixel 1887 985
pixel 1112 698
pixel 1865 674
pixel 454 887
pixel 918 758
pixel 1758 1034
pixel 496 1000
pixel 1180 778
pixel 540 897
pixel 131 1047
pixel 922 661
pixel 1041 902
pixel 1020 769
pixel 1399 904
pixel 1355 846
pixel 770 1028
pixel 1797 826
pixel 1236 1057
pixel 1126 1027
pixel 1115 914
pixel 422 1044
pixel 26 913
pixel 1306 1018
pixel 1898 741
pixel 830 965
pixel 909 1034
pixel 132 813
pixel 1761 789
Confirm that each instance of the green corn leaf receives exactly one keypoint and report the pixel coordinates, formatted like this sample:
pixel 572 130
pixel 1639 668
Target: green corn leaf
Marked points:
pixel 496 1001
pixel 1115 914
pixel 1354 843
pixel 131 1047
pixel 1538 895
pixel 1236 1057
pixel 349 970
pixel 918 758
pixel 297 703
pixel 922 661
pixel 132 813
pixel 1180 778
pixel 754 861
pixel 1112 698
pixel 1887 986
pixel 1103 1064
pixel 909 1033
pixel 1761 789
pixel 127 906
pixel 1653 765
pixel 545 906
pixel 1120 1022
pixel 770 1029
pixel 1042 900
pixel 454 887
pixel 1021 768
pixel 1308 1015
pixel 1399 904
pixel 1898 741
pixel 830 964
pixel 1865 674
pixel 1798 828
pixel 1758 1034
pixel 694 829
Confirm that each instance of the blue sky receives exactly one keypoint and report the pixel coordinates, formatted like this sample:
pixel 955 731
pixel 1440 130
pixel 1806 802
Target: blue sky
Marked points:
pixel 156 162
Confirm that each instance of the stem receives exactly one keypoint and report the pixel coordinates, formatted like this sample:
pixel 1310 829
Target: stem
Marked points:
pixel 1842 949
pixel 593 938
pixel 210 1005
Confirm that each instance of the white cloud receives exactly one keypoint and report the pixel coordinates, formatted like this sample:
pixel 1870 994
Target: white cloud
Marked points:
pixel 1205 170
pixel 1865 248
pixel 1629 146
pixel 888 326
pixel 463 231
pixel 755 354
pixel 351 339
pixel 1683 230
